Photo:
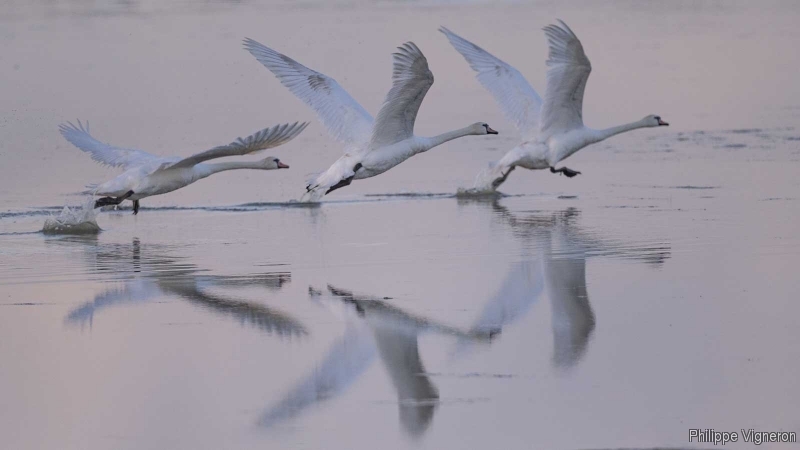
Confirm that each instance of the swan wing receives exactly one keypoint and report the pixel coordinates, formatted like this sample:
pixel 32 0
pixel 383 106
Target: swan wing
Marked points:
pixel 568 71
pixel 261 140
pixel 520 103
pixel 346 120
pixel 105 154
pixel 411 80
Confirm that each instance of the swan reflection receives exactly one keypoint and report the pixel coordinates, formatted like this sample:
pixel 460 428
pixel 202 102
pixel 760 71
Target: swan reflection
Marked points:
pixel 557 247
pixel 149 276
pixel 374 327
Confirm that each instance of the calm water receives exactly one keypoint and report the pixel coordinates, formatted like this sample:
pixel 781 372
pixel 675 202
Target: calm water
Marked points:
pixel 655 293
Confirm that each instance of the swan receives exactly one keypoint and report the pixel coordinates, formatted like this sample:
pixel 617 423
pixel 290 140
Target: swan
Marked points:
pixel 552 128
pixel 371 147
pixel 147 174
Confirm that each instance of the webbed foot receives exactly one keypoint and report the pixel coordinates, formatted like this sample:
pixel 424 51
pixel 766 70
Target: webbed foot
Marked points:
pixel 106 201
pixel 569 173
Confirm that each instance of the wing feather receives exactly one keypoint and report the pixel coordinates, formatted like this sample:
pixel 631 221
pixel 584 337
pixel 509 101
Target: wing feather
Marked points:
pixel 105 154
pixel 261 140
pixel 344 118
pixel 520 103
pixel 566 81
pixel 411 79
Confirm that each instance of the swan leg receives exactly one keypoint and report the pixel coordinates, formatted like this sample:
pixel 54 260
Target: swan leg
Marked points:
pixel 500 180
pixel 135 207
pixel 341 184
pixel 105 201
pixel 346 181
pixel 569 173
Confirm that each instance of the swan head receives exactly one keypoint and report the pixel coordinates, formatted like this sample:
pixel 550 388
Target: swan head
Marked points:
pixel 654 121
pixel 271 163
pixel 482 128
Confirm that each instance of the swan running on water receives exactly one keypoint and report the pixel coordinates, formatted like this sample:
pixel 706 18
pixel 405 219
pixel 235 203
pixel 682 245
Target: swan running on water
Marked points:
pixel 147 174
pixel 552 128
pixel 371 147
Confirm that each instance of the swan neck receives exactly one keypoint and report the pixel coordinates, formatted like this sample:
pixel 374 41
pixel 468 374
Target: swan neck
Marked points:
pixel 210 169
pixel 444 137
pixel 600 135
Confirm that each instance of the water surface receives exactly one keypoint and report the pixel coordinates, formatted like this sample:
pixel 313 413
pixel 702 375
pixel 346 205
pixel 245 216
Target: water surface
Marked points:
pixel 652 294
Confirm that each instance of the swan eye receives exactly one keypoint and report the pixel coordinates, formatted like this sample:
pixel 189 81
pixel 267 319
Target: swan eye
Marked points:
pixel 276 160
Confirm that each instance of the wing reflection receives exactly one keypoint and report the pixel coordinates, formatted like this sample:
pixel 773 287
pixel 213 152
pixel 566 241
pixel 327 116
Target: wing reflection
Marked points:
pixel 380 326
pixel 157 275
pixel 520 290
pixel 573 319
pixel 558 248
pixel 257 315
pixel 127 293
pixel 345 361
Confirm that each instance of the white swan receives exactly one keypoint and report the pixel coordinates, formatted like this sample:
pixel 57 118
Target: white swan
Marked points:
pixel 147 174
pixel 371 147
pixel 552 129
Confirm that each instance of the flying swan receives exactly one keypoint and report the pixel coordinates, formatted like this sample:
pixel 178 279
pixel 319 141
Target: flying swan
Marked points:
pixel 552 128
pixel 147 174
pixel 371 146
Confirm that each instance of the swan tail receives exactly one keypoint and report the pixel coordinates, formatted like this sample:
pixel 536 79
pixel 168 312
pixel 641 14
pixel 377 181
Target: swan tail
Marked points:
pixel 317 186
pixel 311 180
pixel 340 174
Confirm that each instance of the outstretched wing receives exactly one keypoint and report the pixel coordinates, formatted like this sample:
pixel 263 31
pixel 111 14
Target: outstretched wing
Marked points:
pixel 566 81
pixel 105 154
pixel 517 99
pixel 262 140
pixel 346 120
pixel 411 80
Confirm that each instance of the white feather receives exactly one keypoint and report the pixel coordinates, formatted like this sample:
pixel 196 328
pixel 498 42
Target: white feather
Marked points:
pixel 569 69
pixel 346 120
pixel 514 95
pixel 411 80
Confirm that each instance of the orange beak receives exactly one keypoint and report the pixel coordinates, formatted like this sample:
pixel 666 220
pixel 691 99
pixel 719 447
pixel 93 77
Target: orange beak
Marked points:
pixel 282 165
pixel 662 123
pixel 489 130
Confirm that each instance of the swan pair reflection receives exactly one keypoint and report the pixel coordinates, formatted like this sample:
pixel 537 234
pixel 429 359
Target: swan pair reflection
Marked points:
pixel 558 248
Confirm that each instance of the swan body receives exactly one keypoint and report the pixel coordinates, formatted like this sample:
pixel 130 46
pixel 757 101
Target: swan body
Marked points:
pixel 146 175
pixel 372 146
pixel 552 127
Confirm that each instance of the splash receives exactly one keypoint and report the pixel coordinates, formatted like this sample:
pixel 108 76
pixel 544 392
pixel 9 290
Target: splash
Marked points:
pixel 79 219
pixel 486 182
pixel 312 196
